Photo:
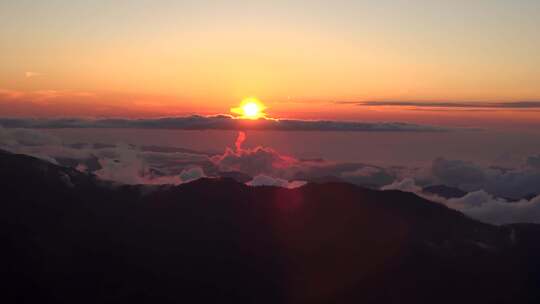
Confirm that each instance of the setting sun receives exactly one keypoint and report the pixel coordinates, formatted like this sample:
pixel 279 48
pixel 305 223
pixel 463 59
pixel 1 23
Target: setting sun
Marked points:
pixel 250 108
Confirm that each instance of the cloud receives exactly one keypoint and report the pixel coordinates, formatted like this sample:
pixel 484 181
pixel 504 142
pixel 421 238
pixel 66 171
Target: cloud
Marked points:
pixel 406 185
pixel 485 207
pixel 480 205
pixel 265 180
pixel 28 142
pixel 509 183
pixel 120 163
pixel 368 176
pixel 129 164
pixel 456 105
pixel 259 160
pixel 534 161
pixel 40 96
pixel 126 168
pixel 240 140
pixel 267 161
pixel 219 122
pixel 192 174
pixel 26 137
pixel 494 195
pixel 463 174
pixel 130 167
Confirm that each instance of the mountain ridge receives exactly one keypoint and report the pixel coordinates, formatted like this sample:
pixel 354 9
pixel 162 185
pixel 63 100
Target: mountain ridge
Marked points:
pixel 70 237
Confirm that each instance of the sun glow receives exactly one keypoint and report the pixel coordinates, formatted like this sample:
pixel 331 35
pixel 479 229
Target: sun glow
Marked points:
pixel 250 108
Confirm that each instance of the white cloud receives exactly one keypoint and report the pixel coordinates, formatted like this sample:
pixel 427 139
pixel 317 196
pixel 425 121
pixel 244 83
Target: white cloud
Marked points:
pixel 120 163
pixel 486 201
pixel 191 174
pixel 512 183
pixel 407 185
pixel 265 180
pixel 483 206
pixel 480 205
pixel 259 160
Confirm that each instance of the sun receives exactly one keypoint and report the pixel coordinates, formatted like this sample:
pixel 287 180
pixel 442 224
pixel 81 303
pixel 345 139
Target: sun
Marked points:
pixel 250 108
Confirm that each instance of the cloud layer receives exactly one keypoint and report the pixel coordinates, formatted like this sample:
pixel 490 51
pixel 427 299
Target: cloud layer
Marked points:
pixel 161 165
pixel 120 163
pixel 480 204
pixel 456 105
pixel 491 194
pixel 219 122
pixel 510 183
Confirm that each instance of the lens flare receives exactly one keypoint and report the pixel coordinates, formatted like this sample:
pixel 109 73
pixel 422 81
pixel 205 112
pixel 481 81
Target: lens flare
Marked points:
pixel 250 108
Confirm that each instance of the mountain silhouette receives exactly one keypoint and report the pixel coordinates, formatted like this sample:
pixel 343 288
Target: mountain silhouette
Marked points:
pixel 444 191
pixel 68 237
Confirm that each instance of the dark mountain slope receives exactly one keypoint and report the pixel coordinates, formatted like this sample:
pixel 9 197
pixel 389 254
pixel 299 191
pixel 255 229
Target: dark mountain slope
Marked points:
pixel 444 191
pixel 69 238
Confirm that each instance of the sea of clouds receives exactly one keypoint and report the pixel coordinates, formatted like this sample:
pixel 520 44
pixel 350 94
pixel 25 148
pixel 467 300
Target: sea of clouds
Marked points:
pixel 492 194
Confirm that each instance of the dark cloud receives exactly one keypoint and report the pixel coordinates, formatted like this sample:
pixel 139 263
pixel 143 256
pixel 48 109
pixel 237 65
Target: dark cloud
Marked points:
pixel 457 105
pixel 218 122
pixel 458 173
pixel 512 184
pixel 534 161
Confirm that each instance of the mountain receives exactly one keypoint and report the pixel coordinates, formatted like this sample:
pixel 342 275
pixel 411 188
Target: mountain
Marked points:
pixel 444 191
pixel 235 175
pixel 449 192
pixel 91 163
pixel 68 237
pixel 526 197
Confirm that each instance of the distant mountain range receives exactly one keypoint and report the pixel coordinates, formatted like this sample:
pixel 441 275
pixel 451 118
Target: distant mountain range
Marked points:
pixel 68 237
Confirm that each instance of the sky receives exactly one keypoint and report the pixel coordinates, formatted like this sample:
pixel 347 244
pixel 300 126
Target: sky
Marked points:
pixel 304 59
pixel 395 94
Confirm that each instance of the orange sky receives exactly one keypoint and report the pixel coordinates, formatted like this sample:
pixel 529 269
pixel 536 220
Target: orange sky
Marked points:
pixel 43 104
pixel 156 58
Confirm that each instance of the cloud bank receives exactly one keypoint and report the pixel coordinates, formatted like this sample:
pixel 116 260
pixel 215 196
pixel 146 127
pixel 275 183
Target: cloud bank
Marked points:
pixel 120 163
pixel 131 164
pixel 510 183
pixel 219 122
pixel 480 204
pixel 491 194
pixel 455 105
